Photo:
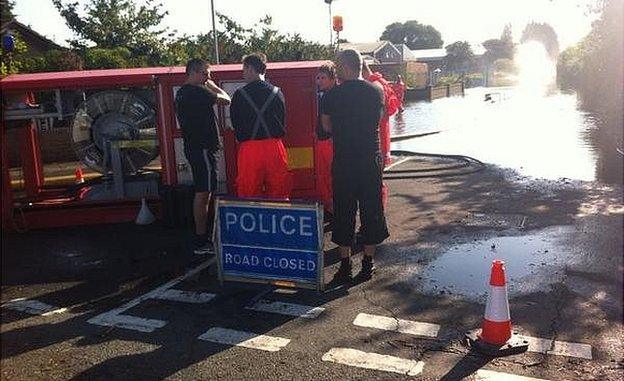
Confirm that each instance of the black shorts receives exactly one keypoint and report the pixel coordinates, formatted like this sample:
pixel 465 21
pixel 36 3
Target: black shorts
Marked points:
pixel 358 187
pixel 204 167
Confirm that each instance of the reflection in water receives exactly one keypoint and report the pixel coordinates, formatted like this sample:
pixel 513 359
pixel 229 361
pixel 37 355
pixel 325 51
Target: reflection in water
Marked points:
pixel 543 135
pixel 532 127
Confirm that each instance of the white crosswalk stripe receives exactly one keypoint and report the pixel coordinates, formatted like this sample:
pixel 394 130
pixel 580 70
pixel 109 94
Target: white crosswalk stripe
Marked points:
pixel 185 296
pixel 33 307
pixel 289 309
pixel 560 348
pixel 367 360
pixel 244 339
pixel 489 375
pixel 397 325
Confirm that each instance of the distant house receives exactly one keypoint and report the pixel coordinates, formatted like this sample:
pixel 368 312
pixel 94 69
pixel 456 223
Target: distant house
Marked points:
pixel 434 58
pixel 36 42
pixel 380 51
pixel 406 53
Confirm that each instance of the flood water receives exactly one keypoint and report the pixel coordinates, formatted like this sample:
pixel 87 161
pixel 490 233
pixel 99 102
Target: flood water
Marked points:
pixel 542 133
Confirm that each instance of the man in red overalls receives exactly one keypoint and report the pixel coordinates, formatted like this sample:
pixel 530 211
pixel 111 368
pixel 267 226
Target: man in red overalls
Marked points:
pixel 257 112
pixel 391 106
pixel 325 80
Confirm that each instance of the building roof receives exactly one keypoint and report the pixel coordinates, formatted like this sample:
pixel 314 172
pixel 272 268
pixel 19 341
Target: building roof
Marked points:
pixel 406 53
pixel 429 54
pixel 27 32
pixel 364 47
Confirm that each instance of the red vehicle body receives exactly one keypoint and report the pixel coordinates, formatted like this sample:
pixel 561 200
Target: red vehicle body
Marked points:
pixel 44 206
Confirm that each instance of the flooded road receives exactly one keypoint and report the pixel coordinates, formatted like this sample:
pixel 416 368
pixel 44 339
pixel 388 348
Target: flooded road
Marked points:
pixel 541 133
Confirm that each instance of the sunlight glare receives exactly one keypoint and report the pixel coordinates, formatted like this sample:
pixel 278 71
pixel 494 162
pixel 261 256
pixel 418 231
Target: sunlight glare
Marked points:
pixel 536 70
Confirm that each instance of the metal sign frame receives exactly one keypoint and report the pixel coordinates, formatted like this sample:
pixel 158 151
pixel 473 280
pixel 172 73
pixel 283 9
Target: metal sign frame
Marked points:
pixel 276 281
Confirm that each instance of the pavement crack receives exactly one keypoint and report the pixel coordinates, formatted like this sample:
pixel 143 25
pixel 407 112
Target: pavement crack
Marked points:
pixel 379 305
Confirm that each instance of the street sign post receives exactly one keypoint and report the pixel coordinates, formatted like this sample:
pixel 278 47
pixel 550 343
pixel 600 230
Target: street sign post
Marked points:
pixel 279 243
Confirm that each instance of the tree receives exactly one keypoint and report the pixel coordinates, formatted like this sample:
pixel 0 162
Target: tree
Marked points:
pixel 499 48
pixel 6 10
pixel 506 36
pixel 413 34
pixel 544 33
pixel 459 55
pixel 109 24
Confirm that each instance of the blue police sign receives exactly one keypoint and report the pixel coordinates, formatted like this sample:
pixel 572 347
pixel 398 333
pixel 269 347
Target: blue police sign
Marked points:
pixel 270 242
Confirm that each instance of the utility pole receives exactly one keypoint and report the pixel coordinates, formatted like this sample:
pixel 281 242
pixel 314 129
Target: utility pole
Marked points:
pixel 331 32
pixel 214 32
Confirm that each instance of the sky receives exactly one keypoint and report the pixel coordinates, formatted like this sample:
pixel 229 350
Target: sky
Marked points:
pixel 364 21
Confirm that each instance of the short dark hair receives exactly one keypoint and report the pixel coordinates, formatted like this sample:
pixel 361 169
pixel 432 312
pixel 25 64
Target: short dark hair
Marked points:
pixel 352 59
pixel 195 65
pixel 329 69
pixel 257 61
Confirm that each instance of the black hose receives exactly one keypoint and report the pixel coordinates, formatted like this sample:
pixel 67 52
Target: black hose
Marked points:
pixel 465 162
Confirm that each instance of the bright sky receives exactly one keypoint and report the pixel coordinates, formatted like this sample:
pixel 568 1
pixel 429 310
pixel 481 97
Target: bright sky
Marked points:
pixel 364 21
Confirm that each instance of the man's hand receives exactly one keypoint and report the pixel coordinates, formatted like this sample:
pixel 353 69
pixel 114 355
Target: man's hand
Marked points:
pixel 222 97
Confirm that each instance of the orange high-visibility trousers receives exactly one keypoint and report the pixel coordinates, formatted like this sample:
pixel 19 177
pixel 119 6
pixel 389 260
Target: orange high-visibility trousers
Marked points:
pixel 263 169
pixel 324 157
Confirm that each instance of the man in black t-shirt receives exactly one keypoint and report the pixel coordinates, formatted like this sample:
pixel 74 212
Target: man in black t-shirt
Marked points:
pixel 194 109
pixel 351 111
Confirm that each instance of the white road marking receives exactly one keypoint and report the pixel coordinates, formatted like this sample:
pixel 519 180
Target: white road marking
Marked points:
pixel 353 357
pixel 397 325
pixel 560 348
pixel 286 291
pixel 289 309
pixel 185 296
pixel 244 339
pixel 128 322
pixel 33 307
pixel 489 375
pixel 114 317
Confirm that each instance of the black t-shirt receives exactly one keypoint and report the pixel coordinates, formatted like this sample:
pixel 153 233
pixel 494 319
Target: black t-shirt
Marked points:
pixel 244 116
pixel 355 108
pixel 321 134
pixel 196 117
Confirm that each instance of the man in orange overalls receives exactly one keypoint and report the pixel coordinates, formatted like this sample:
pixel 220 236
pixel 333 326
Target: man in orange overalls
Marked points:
pixel 325 80
pixel 258 118
pixel 391 106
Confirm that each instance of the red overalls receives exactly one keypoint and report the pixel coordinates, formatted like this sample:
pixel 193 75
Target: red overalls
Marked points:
pixel 391 106
pixel 262 164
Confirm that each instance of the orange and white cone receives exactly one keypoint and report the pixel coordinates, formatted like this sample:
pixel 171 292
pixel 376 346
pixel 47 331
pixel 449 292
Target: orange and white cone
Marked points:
pixel 496 327
pixel 79 176
pixel 496 337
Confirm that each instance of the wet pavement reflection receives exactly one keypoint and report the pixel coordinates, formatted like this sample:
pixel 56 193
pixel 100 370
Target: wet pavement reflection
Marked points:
pixel 540 134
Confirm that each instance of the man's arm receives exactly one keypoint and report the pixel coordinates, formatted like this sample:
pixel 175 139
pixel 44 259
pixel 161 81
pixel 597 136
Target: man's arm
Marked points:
pixel 222 97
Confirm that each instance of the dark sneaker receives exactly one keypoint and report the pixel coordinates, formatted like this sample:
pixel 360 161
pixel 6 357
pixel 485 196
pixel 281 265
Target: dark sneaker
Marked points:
pixel 344 273
pixel 368 268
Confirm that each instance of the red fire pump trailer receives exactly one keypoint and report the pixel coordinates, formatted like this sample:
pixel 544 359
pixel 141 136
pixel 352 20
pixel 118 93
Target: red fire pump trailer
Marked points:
pixel 121 122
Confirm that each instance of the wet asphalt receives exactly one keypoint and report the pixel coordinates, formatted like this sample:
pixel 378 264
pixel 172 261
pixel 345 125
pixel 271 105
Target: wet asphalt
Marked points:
pixel 561 240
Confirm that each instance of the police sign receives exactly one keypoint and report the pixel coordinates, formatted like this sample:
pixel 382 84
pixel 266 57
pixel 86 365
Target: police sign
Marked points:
pixel 269 242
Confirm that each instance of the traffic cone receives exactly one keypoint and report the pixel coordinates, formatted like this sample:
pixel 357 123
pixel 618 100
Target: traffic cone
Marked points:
pixel 496 327
pixel 79 176
pixel 145 216
pixel 496 337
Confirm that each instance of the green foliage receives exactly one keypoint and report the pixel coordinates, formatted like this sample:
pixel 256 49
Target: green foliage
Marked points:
pixel 459 56
pixel 12 62
pixel 109 24
pixel 52 60
pixel 504 65
pixel 594 66
pixel 236 40
pixel 413 34
pixel 99 58
pixel 6 10
pixel 544 33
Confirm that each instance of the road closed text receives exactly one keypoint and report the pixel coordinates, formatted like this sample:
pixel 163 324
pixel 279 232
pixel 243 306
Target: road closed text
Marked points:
pixel 269 262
